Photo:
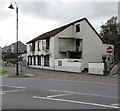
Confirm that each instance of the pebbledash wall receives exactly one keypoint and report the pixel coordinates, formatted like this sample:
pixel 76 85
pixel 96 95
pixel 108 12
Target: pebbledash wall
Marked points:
pixel 91 48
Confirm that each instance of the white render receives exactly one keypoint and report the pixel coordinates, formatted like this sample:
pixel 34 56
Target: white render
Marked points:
pixel 96 68
pixel 63 45
pixel 69 65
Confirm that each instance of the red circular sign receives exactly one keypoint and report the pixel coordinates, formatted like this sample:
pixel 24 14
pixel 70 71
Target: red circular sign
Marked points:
pixel 109 49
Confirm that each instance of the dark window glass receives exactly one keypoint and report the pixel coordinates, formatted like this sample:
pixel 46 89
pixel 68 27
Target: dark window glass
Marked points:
pixel 46 60
pixel 34 60
pixel 78 28
pixel 33 46
pixel 47 43
pixel 39 60
pixel 59 63
pixel 39 46
pixel 30 60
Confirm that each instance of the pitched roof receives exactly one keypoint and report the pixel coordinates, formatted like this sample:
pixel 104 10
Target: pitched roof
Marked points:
pixel 56 31
pixel 19 42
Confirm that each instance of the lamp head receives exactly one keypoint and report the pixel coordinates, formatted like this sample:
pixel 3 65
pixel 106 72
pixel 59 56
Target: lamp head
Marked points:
pixel 11 6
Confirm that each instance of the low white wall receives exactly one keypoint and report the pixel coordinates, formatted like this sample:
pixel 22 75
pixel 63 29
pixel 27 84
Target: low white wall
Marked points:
pixel 96 68
pixel 67 65
pixel 41 67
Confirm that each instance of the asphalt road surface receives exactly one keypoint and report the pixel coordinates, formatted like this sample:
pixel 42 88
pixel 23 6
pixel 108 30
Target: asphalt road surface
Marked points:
pixel 34 93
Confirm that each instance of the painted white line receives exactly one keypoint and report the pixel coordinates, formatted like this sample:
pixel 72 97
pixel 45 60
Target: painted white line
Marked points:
pixel 14 86
pixel 11 91
pixel 77 102
pixel 57 95
pixel 84 94
pixel 2 92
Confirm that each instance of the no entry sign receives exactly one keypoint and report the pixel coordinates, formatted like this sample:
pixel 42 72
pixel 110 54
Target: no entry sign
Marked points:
pixel 109 49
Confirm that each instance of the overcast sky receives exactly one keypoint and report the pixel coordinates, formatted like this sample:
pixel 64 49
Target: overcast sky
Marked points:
pixel 39 16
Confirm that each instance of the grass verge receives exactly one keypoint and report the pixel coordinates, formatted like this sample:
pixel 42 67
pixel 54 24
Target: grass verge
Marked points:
pixel 2 71
pixel 5 63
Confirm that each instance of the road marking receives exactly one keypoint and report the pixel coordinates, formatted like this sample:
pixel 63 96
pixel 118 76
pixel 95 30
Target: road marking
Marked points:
pixel 57 95
pixel 77 102
pixel 14 86
pixel 12 90
pixel 2 92
pixel 84 94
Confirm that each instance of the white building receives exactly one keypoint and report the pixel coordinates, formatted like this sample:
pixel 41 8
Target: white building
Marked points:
pixel 68 48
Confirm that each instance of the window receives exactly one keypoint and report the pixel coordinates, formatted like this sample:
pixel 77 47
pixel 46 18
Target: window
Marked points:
pixel 46 60
pixel 59 63
pixel 39 46
pixel 44 44
pixel 78 28
pixel 30 59
pixel 47 43
pixel 77 44
pixel 34 60
pixel 32 47
pixel 39 60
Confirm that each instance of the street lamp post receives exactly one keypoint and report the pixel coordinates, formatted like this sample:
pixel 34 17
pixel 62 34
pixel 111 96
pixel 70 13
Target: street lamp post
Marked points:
pixel 11 7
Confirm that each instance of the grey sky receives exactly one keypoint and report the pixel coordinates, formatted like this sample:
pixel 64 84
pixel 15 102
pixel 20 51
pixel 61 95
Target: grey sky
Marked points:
pixel 36 18
pixel 71 10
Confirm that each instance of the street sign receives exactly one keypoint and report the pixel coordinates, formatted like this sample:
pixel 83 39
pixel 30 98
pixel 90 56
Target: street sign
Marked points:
pixel 109 49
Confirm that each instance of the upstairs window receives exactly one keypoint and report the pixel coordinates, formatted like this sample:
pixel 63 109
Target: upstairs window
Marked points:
pixel 32 46
pixel 47 43
pixel 39 49
pixel 77 28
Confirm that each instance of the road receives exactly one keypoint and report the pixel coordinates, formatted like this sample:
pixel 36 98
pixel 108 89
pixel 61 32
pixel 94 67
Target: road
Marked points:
pixel 31 93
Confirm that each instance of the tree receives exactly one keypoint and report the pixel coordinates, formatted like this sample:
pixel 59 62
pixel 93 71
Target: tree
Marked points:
pixel 109 34
pixel 109 31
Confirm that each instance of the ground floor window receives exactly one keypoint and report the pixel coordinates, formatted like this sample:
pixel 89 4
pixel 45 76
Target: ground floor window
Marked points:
pixel 39 60
pixel 30 60
pixel 34 57
pixel 46 60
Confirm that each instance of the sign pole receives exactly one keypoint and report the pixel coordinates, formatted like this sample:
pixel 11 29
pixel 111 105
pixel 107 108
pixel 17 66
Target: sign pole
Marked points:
pixel 109 51
pixel 109 63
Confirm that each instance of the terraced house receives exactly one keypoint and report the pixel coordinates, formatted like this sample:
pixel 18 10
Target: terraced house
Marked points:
pixel 68 48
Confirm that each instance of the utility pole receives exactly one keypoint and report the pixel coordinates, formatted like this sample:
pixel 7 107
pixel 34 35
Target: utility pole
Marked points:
pixel 11 7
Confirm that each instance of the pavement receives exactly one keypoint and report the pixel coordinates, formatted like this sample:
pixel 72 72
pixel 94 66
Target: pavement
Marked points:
pixel 116 70
pixel 58 75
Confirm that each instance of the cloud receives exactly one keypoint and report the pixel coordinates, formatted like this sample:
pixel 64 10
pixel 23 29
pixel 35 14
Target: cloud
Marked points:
pixel 61 10
pixel 3 13
pixel 36 18
pixel 66 12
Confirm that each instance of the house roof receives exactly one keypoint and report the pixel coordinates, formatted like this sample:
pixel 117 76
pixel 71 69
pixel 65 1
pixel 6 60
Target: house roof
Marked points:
pixel 19 42
pixel 56 31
